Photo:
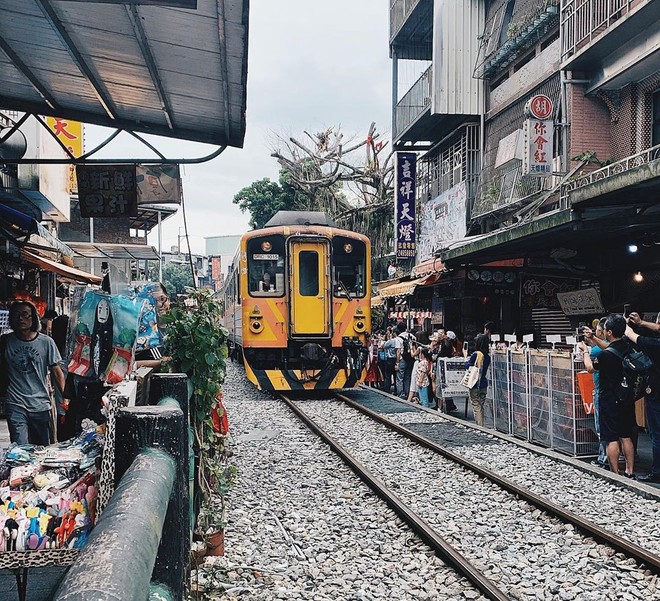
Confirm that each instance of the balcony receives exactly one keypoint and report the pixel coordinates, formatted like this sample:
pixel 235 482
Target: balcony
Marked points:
pixel 411 28
pixel 592 30
pixel 414 104
pixel 630 181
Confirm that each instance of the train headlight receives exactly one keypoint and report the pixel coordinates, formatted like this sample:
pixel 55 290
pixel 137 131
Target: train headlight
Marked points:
pixel 256 327
pixel 359 326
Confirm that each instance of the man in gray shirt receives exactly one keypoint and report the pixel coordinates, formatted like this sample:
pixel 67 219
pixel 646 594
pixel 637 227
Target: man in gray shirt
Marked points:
pixel 27 357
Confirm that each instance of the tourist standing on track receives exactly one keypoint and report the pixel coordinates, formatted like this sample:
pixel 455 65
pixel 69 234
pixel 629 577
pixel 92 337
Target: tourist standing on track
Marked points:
pixel 481 358
pixel 595 349
pixel 617 414
pixel 391 362
pixel 651 346
pixel 405 360
pixel 424 376
pixel 26 358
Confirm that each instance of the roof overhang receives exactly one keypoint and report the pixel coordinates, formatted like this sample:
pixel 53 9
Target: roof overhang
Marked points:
pixel 100 250
pixel 69 274
pixel 162 70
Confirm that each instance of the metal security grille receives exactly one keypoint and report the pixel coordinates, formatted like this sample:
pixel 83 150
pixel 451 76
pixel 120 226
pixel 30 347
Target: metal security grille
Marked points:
pixel 501 187
pixel 455 163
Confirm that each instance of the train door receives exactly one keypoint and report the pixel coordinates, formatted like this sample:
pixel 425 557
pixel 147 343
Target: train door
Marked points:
pixel 310 288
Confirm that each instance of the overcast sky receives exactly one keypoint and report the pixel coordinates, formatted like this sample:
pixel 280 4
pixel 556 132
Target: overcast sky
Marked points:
pixel 312 65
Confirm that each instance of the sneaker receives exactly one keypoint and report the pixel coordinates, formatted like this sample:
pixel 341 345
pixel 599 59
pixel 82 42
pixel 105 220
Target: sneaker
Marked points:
pixel 655 478
pixel 629 476
pixel 597 463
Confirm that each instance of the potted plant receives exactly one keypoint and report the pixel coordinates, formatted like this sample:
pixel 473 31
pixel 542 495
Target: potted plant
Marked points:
pixel 197 343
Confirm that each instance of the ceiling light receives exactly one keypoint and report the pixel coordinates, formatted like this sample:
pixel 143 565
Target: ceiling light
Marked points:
pixel 638 277
pixel 632 248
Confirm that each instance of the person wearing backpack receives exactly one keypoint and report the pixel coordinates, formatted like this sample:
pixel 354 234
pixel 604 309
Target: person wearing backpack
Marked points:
pixel 406 361
pixel 616 392
pixel 651 346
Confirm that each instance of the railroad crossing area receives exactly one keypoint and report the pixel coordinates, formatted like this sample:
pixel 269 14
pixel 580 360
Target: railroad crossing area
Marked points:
pixel 361 496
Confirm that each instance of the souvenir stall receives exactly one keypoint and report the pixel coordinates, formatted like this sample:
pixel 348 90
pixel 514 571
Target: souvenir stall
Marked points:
pixel 51 497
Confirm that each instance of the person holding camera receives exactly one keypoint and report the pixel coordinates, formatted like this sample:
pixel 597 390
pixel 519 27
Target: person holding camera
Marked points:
pixel 651 346
pixel 595 339
pixel 616 413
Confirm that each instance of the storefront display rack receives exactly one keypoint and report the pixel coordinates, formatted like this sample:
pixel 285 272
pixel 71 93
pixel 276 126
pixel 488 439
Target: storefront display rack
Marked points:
pixel 573 431
pixel 500 383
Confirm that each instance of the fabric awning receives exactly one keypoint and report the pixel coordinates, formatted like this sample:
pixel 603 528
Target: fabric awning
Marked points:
pixel 432 265
pixel 401 288
pixel 70 274
pixel 377 301
pixel 107 250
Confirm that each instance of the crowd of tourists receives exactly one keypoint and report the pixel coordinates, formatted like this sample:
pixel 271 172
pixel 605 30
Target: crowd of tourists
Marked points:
pixel 404 363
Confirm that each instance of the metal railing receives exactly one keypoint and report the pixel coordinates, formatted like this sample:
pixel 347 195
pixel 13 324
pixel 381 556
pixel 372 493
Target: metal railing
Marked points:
pixel 632 162
pixel 399 11
pixel 509 188
pixel 582 21
pixel 416 100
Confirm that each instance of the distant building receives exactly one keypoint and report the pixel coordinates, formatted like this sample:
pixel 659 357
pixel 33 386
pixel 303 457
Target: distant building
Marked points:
pixel 220 251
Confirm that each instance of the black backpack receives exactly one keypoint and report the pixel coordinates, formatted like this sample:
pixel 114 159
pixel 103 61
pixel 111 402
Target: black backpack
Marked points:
pixel 636 366
pixel 405 351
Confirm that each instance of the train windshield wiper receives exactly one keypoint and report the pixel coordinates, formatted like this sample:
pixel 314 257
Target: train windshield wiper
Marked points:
pixel 343 287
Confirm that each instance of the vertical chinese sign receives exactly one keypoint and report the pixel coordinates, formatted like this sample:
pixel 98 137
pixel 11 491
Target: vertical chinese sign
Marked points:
pixel 406 195
pixel 70 133
pixel 539 134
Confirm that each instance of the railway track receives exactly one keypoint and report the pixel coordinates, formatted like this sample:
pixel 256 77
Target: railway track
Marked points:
pixel 429 527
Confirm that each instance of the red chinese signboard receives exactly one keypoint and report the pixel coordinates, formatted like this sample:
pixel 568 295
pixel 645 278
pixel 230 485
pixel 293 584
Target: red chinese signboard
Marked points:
pixel 540 107
pixel 107 191
pixel 537 159
pixel 215 268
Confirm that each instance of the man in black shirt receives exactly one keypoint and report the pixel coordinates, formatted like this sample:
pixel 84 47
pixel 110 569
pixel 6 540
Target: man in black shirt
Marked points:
pixel 617 414
pixel 651 346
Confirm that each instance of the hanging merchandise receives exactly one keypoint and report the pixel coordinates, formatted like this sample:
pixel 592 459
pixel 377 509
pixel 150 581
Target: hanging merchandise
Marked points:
pixel 149 335
pixel 93 333
pixel 127 313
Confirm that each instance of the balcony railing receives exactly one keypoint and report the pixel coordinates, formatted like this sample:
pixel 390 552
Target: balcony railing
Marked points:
pixel 632 162
pixel 414 103
pixel 582 21
pixel 399 11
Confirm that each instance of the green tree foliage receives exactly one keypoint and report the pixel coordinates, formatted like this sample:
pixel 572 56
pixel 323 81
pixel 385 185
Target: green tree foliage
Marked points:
pixel 176 278
pixel 263 198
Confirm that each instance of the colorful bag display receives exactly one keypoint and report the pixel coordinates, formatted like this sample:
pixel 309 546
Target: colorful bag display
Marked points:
pixel 126 313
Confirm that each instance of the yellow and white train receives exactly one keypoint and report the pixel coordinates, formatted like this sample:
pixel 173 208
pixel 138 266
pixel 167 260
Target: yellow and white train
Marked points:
pixel 297 303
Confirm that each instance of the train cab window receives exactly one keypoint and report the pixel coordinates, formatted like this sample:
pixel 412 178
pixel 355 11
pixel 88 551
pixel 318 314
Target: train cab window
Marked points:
pixel 265 257
pixel 308 273
pixel 349 257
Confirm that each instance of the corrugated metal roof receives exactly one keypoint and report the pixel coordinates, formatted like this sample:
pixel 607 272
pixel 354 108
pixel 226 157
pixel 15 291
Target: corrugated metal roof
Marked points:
pixel 162 70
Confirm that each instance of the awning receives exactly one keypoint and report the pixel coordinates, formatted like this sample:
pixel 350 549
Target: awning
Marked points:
pixel 16 224
pixel 377 301
pixel 432 265
pixel 168 71
pixel 101 250
pixel 401 288
pixel 70 274
pixel 516 240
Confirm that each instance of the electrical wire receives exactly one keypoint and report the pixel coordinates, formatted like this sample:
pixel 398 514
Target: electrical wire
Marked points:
pixel 185 229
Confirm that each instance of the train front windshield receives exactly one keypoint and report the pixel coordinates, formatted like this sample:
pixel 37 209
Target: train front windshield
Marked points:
pixel 349 267
pixel 266 262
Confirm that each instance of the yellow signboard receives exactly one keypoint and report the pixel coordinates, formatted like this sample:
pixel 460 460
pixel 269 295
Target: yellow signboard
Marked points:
pixel 70 133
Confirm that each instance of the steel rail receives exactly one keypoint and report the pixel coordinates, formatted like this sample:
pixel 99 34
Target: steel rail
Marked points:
pixel 585 526
pixel 421 528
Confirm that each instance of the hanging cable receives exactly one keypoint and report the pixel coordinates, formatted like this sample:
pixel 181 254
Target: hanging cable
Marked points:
pixel 185 229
